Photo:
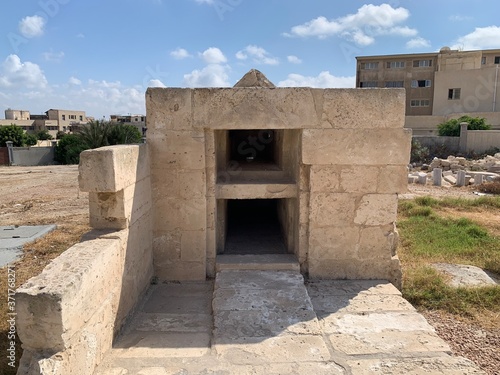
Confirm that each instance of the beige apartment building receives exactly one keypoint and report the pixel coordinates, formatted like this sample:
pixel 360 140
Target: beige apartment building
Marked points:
pixel 439 85
pixel 54 120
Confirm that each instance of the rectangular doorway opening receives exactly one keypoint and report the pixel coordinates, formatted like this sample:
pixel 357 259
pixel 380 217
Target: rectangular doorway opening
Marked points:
pixel 254 227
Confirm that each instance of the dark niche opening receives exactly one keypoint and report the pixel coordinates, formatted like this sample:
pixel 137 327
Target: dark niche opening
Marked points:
pixel 253 227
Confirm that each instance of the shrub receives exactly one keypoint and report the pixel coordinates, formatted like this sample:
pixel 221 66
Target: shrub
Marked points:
pixel 30 139
pixel 419 153
pixel 451 128
pixel 12 133
pixel 69 148
pixel 44 135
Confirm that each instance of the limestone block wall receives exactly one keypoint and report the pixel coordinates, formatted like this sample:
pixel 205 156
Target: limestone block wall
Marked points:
pixel 70 313
pixel 347 162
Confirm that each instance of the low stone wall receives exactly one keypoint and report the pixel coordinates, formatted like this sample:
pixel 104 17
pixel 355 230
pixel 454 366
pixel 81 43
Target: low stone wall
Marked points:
pixel 29 156
pixel 482 140
pixel 70 313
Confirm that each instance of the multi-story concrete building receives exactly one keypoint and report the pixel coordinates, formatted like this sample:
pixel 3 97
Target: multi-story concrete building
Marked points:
pixel 54 120
pixel 139 121
pixel 439 85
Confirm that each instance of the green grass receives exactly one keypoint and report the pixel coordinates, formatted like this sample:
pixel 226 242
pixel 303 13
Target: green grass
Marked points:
pixel 428 237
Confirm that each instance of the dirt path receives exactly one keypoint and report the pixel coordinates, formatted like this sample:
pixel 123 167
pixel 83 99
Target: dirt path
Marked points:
pixel 41 195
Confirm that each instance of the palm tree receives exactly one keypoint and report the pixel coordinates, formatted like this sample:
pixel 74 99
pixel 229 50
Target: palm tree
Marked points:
pixel 95 133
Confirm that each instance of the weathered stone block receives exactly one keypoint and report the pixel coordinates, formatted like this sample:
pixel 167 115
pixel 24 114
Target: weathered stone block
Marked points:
pixel 255 191
pixel 167 245
pixel 376 242
pixel 380 109
pixel 356 147
pixel 178 150
pixel 169 109
pixel 324 178
pixel 359 179
pixel 172 213
pixel 377 209
pixel 393 179
pixel 48 317
pixel 168 269
pixel 113 168
pixel 353 269
pixel 243 108
pixel 331 209
pixel 193 244
pixel 333 243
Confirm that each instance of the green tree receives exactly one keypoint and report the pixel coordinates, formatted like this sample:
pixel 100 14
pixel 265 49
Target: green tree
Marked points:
pixel 44 135
pixel 60 134
pixel 124 134
pixel 68 149
pixel 12 133
pixel 30 139
pixel 451 128
pixel 95 134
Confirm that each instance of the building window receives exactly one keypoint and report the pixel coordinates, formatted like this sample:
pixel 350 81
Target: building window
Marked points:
pixel 368 84
pixel 395 64
pixel 453 94
pixel 81 118
pixel 72 117
pixel 369 65
pixel 483 60
pixel 394 84
pixel 420 102
pixel 422 63
pixel 497 59
pixel 421 83
pixel 64 117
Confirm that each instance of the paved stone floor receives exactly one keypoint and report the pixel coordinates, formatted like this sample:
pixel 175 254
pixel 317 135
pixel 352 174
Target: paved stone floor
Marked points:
pixel 270 322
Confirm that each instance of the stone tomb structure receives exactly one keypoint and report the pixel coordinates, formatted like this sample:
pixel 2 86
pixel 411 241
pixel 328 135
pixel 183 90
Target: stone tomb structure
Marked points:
pixel 250 170
pixel 305 174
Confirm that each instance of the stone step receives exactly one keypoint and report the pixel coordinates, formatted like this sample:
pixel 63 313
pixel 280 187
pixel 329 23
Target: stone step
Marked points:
pixel 263 317
pixel 269 262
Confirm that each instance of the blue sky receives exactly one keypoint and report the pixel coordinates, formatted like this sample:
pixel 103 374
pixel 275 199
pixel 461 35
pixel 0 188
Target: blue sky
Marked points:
pixel 100 56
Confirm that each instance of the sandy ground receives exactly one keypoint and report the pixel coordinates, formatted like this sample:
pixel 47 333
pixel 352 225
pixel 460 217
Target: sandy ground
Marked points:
pixel 41 195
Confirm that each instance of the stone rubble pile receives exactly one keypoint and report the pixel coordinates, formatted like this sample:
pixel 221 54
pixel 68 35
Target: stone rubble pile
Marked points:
pixel 458 171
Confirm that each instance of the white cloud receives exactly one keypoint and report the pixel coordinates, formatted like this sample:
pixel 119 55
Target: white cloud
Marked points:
pixel 240 55
pixel 180 54
pixel 15 74
pixel 80 36
pixel 213 75
pixel 209 2
pixel 361 28
pixel 294 59
pixel 156 83
pixel 480 38
pixel 28 88
pixel 418 43
pixel 74 81
pixel 322 80
pixel 258 54
pixel 53 56
pixel 213 55
pixel 459 18
pixel 32 26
